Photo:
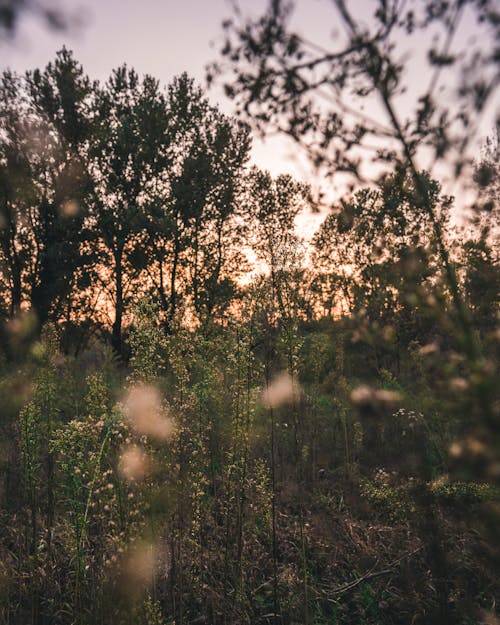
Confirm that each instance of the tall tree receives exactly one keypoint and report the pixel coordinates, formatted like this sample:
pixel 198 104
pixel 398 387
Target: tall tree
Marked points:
pixel 209 187
pixel 127 156
pixel 274 206
pixel 45 126
pixel 337 100
pixel 62 97
pixel 16 195
pixel 192 223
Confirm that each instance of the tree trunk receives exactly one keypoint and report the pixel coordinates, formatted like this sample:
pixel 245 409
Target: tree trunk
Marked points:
pixel 173 278
pixel 117 323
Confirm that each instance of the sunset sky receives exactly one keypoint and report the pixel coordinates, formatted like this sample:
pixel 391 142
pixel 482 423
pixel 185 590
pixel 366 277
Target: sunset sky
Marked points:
pixel 167 37
pixel 162 38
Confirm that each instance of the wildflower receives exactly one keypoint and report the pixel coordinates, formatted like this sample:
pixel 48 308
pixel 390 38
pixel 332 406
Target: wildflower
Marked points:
pixel 143 407
pixel 387 397
pixel 430 348
pixel 70 208
pixel 366 395
pixel 459 384
pixel 134 464
pixel 138 567
pixel 362 394
pixel 282 390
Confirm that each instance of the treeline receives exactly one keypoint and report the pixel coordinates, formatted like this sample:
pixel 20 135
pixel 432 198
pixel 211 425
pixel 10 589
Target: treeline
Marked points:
pixel 112 192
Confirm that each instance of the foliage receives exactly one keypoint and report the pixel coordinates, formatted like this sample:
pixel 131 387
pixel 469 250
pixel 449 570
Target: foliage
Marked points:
pixel 317 444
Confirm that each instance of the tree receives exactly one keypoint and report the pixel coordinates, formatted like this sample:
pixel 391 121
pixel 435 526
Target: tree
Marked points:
pixel 274 206
pixel 377 247
pixel 319 96
pixel 205 190
pixel 126 158
pixel 45 126
pixel 62 98
pixel 16 195
pixel 482 283
pixel 486 211
pixel 375 260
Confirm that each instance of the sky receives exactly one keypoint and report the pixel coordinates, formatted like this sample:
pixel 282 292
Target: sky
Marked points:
pixel 160 37
pixel 167 37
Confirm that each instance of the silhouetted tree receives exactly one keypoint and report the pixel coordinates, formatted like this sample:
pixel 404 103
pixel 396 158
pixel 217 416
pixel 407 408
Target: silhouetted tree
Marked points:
pixel 126 157
pixel 45 126
pixel 274 206
pixel 62 97
pixel 194 231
